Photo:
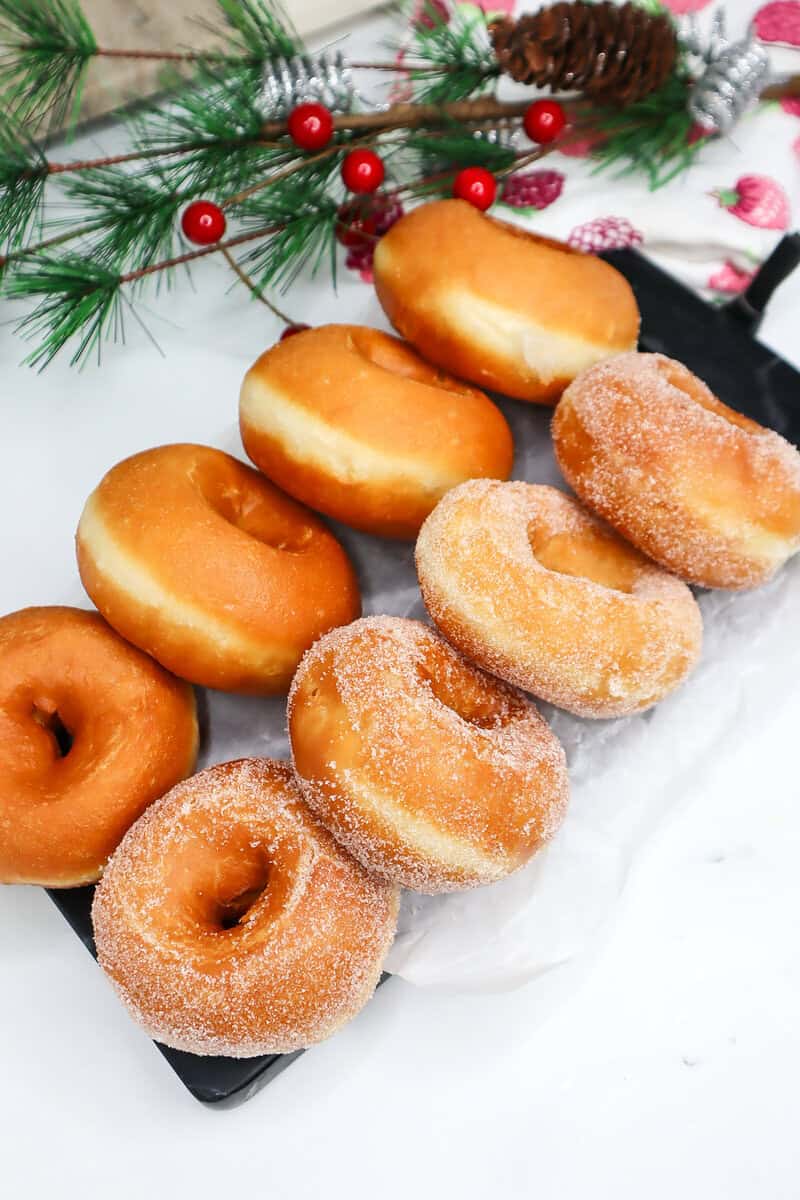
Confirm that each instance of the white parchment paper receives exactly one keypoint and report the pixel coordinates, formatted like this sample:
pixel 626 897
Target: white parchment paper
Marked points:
pixel 627 775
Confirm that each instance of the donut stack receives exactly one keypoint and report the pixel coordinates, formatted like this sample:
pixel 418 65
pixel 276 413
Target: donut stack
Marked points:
pixel 248 909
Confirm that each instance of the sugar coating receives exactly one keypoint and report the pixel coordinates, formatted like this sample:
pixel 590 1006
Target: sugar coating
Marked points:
pixel 302 960
pixel 429 771
pixel 708 493
pixel 592 649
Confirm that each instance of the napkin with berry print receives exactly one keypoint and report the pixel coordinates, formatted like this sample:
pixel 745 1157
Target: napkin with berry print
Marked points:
pixel 712 225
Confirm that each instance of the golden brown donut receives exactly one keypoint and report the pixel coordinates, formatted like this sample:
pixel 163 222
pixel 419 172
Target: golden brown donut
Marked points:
pixel 353 422
pixel 504 308
pixel 229 922
pixel 431 773
pixel 522 579
pixel 202 562
pixel 706 492
pixel 91 732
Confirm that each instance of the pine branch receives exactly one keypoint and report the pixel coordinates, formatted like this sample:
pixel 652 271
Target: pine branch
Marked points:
pixel 80 296
pixel 214 132
pixel 453 46
pixel 651 135
pixel 459 146
pixel 258 30
pixel 46 48
pixel 23 173
pixel 135 216
pixel 305 221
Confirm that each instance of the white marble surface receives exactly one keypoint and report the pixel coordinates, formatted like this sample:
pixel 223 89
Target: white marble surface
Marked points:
pixel 670 1066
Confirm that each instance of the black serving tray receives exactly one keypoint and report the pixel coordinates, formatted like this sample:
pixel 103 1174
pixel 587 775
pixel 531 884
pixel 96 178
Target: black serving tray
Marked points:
pixel 224 1082
pixel 717 343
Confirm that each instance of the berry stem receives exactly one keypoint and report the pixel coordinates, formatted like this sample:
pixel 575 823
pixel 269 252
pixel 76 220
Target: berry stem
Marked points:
pixel 336 148
pixel 257 292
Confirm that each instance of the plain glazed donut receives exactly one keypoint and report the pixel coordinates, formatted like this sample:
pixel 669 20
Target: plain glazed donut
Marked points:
pixel 431 773
pixel 507 309
pixel 706 492
pixel 207 566
pixel 229 922
pixel 91 732
pixel 527 583
pixel 351 421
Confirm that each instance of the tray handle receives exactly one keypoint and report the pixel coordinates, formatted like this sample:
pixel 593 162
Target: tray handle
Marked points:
pixel 750 306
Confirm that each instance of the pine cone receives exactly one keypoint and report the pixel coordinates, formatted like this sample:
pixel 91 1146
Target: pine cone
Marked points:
pixel 612 54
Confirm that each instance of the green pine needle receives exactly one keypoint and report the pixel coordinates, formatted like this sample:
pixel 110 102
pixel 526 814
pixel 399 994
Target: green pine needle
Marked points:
pixel 23 174
pixel 304 217
pixel 453 39
pixel 458 147
pixel 258 30
pixel 78 297
pixel 45 48
pixel 214 127
pixel 650 135
pixel 134 217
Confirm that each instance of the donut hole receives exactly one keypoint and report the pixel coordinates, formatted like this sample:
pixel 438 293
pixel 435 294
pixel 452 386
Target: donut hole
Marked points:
pixel 465 696
pixel 232 911
pixel 588 553
pixel 260 520
pixel 390 354
pixel 681 378
pixel 241 879
pixel 52 721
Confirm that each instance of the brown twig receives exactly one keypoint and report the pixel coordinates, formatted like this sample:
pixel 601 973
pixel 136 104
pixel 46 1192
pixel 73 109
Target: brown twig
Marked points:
pixel 115 160
pixel 194 56
pixel 57 240
pixel 413 116
pixel 192 255
pixel 779 91
pixel 187 56
pixel 399 116
pixel 290 170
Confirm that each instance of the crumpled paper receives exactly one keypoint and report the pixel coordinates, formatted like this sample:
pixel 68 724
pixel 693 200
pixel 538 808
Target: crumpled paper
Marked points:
pixel 626 775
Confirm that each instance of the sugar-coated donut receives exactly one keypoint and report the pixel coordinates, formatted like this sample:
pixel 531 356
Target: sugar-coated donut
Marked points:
pixel 202 562
pixel 504 308
pixel 353 422
pixel 706 492
pixel 527 583
pixel 431 773
pixel 229 921
pixel 91 732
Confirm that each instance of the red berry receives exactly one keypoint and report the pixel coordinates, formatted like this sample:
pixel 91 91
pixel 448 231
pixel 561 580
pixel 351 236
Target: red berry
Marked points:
pixel 356 223
pixel 291 330
pixel 476 185
pixel 544 120
pixel 431 14
pixel 362 171
pixel 203 222
pixel 310 126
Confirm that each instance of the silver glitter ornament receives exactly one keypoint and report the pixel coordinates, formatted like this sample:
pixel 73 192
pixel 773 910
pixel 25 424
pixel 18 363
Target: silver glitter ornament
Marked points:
pixel 326 79
pixel 731 77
